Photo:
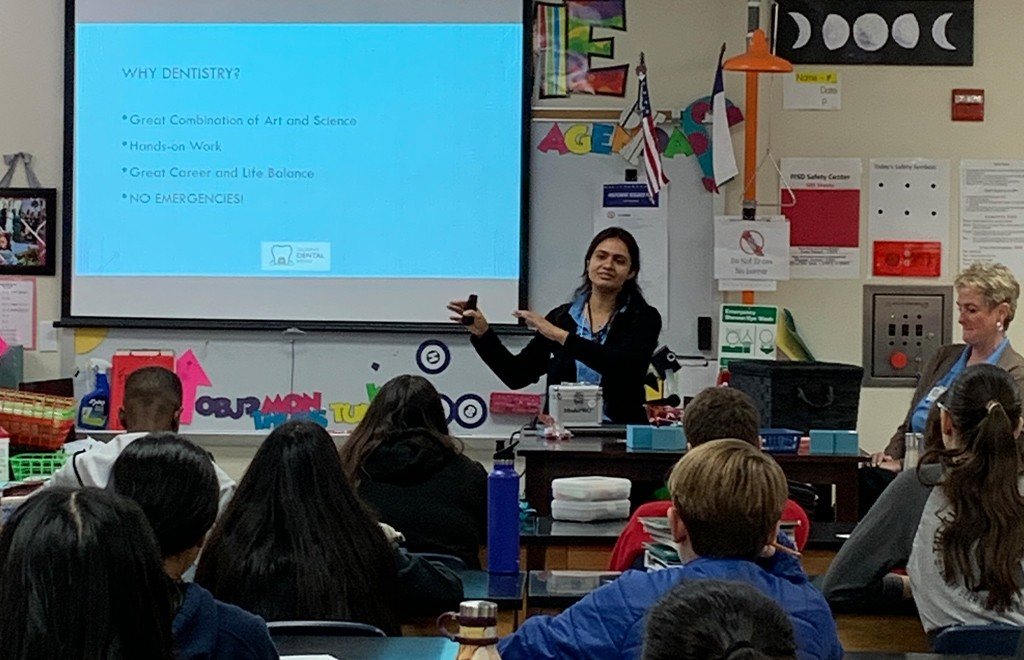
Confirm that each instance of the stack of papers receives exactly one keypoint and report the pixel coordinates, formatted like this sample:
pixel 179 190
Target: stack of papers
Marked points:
pixel 661 551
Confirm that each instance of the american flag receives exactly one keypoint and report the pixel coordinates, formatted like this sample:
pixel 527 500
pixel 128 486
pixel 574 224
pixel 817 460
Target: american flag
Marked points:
pixel 656 179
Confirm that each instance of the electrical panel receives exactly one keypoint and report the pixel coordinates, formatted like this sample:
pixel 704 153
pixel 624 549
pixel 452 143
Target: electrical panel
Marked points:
pixel 903 329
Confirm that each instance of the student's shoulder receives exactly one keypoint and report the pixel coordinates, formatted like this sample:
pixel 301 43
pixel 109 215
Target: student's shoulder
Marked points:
pixel 463 462
pixel 245 632
pixel 643 313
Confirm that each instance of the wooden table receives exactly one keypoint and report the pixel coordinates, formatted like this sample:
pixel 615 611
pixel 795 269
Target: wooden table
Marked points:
pixel 547 460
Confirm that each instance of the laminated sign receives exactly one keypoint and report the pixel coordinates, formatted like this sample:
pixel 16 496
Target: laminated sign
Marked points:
pixel 747 332
pixel 751 250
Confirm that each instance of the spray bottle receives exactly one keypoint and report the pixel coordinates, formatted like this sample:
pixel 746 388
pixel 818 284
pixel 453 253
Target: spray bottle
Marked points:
pixel 503 512
pixel 94 411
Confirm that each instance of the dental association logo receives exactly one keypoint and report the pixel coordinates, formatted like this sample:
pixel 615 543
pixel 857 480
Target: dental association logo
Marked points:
pixel 280 255
pixel 293 256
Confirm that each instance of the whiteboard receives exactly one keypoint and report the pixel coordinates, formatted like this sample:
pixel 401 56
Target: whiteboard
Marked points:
pixel 332 370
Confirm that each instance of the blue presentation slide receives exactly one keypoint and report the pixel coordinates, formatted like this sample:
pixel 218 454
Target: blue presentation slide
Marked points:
pixel 298 150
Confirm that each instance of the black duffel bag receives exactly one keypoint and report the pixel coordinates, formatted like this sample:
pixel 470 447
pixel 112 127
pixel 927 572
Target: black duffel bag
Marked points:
pixel 800 395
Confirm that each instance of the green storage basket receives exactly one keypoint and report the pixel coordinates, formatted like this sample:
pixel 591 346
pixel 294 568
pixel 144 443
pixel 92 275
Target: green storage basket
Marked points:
pixel 36 465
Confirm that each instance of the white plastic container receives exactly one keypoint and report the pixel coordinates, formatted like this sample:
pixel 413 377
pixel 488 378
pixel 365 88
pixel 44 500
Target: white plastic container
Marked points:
pixel 589 511
pixel 591 489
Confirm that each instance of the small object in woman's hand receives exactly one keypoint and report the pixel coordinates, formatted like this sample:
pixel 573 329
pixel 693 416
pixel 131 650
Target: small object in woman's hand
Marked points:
pixel 470 304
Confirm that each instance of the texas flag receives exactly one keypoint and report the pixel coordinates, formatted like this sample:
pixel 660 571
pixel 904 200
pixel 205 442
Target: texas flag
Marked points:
pixel 722 157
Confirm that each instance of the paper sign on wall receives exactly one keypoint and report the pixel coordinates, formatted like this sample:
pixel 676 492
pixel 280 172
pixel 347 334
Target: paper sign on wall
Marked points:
pixel 627 205
pixel 992 213
pixel 909 205
pixel 747 332
pixel 748 285
pixel 18 311
pixel 812 90
pixel 823 207
pixel 751 250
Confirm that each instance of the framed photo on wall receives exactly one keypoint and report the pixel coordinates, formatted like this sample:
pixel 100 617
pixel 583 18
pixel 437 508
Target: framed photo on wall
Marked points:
pixel 28 231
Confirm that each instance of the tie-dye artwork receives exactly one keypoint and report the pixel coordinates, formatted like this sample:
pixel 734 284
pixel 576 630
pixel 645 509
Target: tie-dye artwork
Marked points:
pixel 565 47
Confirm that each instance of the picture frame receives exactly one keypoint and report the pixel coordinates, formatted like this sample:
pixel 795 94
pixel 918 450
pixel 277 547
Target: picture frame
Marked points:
pixel 28 231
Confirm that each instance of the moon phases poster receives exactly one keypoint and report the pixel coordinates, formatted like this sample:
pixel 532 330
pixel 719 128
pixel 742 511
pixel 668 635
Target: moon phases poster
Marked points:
pixel 902 32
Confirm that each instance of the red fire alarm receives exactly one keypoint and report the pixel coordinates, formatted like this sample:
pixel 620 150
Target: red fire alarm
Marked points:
pixel 968 105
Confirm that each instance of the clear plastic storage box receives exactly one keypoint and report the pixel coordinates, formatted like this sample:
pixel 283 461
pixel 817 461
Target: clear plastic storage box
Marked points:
pixel 589 511
pixel 591 489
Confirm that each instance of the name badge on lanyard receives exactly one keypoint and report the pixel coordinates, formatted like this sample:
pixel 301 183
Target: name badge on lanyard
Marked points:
pixel 935 393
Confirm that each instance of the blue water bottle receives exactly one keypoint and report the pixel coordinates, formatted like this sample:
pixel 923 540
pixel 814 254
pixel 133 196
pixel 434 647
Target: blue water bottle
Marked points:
pixel 503 512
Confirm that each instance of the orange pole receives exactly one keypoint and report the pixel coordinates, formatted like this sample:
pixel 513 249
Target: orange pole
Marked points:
pixel 750 149
pixel 750 160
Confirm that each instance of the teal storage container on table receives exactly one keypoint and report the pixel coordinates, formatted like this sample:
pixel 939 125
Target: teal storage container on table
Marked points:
pixel 657 438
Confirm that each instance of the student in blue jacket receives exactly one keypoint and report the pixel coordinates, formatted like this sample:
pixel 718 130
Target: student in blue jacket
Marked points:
pixel 727 499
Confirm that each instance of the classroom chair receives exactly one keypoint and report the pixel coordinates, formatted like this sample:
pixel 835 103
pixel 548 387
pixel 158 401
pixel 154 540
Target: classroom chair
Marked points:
pixel 991 639
pixel 315 637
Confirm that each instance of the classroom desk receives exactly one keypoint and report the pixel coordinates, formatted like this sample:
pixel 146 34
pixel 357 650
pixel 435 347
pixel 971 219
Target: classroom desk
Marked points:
pixel 381 648
pixel 507 591
pixel 553 544
pixel 541 536
pixel 828 535
pixel 440 648
pixel 560 589
pixel 546 460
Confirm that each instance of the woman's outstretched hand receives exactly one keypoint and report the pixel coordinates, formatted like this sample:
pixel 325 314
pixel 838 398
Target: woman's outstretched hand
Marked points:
pixel 458 308
pixel 535 321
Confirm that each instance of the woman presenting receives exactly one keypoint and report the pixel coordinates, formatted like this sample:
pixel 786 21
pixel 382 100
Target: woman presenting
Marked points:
pixel 605 335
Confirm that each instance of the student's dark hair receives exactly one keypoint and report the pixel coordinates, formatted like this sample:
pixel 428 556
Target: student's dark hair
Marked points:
pixel 632 285
pixel 717 620
pixel 406 407
pixel 175 484
pixel 152 397
pixel 81 577
pixel 982 541
pixel 721 412
pixel 295 518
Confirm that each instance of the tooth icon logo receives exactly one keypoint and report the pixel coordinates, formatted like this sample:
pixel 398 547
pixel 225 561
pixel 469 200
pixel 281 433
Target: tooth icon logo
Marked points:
pixel 281 255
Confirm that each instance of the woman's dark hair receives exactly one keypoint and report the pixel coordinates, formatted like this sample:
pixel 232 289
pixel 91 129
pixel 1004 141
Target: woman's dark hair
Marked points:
pixel 407 406
pixel 982 541
pixel 175 484
pixel 717 620
pixel 295 526
pixel 81 577
pixel 632 285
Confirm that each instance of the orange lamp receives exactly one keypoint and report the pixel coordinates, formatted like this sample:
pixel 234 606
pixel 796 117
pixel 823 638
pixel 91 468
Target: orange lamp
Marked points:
pixel 758 59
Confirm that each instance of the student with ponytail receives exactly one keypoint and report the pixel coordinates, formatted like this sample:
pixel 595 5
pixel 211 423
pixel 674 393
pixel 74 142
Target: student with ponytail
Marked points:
pixel 956 522
pixel 967 560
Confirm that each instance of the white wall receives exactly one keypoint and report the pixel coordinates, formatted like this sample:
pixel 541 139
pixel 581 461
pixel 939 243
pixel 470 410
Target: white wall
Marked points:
pixel 887 112
pixel 32 120
pixel 898 112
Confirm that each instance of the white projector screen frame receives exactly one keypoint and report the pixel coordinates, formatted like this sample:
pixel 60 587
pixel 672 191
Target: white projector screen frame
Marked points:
pixel 183 299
